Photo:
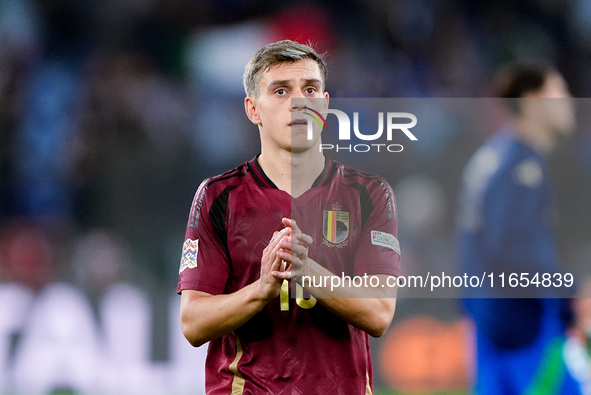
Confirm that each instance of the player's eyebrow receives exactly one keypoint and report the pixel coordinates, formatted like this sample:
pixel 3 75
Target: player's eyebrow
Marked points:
pixel 312 81
pixel 277 83
pixel 306 81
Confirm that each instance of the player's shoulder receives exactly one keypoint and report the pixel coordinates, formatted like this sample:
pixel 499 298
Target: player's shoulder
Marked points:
pixel 502 158
pixel 520 165
pixel 504 165
pixel 213 187
pixel 220 182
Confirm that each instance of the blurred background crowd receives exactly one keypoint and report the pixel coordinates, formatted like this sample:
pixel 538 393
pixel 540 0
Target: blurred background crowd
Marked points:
pixel 112 112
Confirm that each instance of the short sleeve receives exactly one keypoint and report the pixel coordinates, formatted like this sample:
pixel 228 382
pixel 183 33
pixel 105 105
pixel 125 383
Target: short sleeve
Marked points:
pixel 204 263
pixel 378 249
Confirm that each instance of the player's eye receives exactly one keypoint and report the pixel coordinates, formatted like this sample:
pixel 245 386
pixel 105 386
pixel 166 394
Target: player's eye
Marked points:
pixel 280 92
pixel 310 90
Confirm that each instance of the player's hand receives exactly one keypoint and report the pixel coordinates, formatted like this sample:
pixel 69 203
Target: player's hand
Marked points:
pixel 271 262
pixel 294 250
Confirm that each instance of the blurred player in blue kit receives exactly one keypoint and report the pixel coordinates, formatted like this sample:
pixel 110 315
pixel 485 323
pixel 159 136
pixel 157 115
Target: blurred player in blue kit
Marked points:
pixel 505 225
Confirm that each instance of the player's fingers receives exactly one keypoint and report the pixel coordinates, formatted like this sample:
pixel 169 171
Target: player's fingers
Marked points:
pixel 276 240
pixel 299 251
pixel 295 229
pixel 295 263
pixel 286 255
pixel 305 239
pixel 285 242
pixel 281 245
pixel 292 225
pixel 278 235
pixel 286 275
pixel 274 259
pixel 276 264
pixel 270 251
pixel 286 222
pixel 286 266
pixel 297 232
pixel 273 243
pixel 266 254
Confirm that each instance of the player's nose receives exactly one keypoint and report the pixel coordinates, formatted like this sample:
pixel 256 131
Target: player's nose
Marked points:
pixel 298 103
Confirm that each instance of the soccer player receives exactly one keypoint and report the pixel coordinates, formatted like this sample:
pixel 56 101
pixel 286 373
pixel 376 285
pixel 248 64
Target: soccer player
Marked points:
pixel 505 225
pixel 256 231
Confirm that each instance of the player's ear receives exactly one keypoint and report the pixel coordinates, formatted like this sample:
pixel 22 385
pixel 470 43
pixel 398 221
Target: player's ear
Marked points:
pixel 250 106
pixel 327 99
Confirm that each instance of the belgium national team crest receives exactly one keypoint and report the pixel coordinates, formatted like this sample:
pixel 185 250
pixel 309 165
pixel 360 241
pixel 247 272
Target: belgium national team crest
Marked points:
pixel 335 227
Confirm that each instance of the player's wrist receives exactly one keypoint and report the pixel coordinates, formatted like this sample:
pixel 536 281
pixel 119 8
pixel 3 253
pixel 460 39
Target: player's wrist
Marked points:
pixel 258 293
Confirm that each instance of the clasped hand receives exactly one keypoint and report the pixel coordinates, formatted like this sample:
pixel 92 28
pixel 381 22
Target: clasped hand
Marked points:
pixel 285 258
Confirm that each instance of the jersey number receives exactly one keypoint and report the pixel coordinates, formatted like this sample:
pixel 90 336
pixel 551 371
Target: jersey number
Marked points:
pixel 303 303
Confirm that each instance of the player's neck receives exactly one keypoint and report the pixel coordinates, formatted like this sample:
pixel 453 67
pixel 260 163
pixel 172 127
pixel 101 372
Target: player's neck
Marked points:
pixel 292 173
pixel 535 135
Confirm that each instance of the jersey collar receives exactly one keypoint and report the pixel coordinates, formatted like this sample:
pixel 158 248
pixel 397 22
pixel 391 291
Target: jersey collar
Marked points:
pixel 264 181
pixel 259 175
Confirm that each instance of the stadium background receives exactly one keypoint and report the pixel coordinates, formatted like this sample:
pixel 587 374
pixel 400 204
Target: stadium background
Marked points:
pixel 111 113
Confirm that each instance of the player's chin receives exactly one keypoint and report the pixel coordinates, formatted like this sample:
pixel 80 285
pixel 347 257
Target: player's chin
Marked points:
pixel 300 147
pixel 567 129
pixel 301 135
pixel 298 150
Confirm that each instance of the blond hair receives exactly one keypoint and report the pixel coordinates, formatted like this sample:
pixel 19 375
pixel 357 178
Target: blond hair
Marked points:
pixel 276 53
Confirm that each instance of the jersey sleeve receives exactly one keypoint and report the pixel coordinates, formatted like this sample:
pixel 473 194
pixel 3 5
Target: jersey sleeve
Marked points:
pixel 204 263
pixel 378 249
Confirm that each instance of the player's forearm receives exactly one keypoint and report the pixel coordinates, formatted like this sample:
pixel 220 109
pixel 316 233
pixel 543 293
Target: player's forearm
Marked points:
pixel 205 317
pixel 368 308
pixel 370 315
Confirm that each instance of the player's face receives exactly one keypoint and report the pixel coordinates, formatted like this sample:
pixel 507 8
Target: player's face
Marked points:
pixel 558 110
pixel 275 112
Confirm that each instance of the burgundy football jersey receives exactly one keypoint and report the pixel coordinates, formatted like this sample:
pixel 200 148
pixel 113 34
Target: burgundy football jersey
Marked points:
pixel 293 345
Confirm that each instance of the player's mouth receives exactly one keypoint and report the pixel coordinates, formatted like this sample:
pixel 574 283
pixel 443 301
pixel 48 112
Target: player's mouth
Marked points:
pixel 299 122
